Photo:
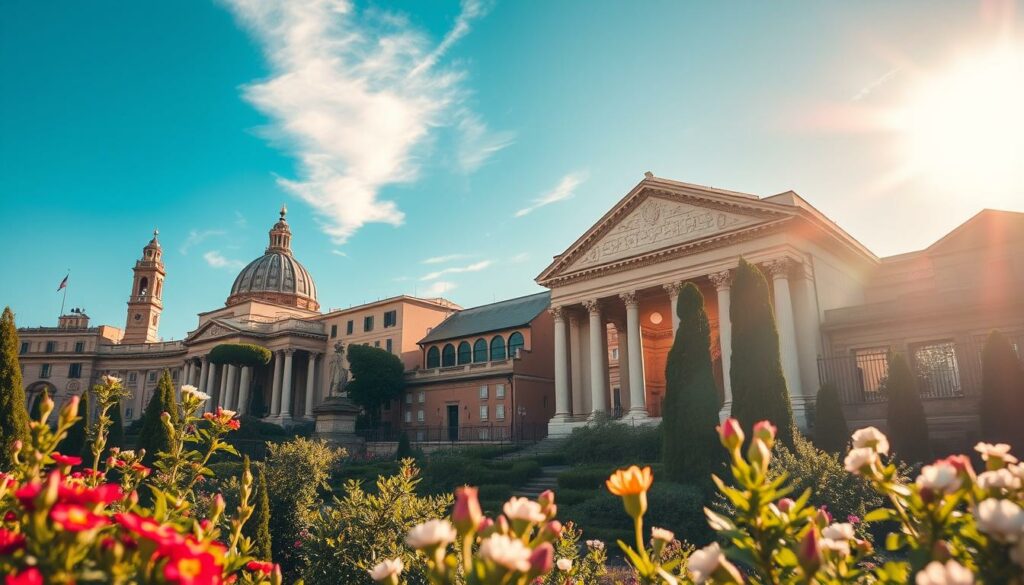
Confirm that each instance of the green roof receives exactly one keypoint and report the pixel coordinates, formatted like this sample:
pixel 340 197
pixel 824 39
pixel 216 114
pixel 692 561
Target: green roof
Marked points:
pixel 517 312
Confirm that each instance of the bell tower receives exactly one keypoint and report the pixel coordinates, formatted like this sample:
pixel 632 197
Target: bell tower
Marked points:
pixel 145 303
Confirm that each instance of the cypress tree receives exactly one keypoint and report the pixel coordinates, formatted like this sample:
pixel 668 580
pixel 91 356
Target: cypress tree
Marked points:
pixel 13 414
pixel 76 441
pixel 690 444
pixel 154 437
pixel 759 389
pixel 404 448
pixel 37 405
pixel 115 436
pixel 831 432
pixel 908 427
pixel 258 526
pixel 1002 393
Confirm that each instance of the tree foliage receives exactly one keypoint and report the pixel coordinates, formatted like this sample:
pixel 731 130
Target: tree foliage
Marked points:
pixel 240 354
pixel 258 526
pixel 1002 392
pixel 76 442
pixel 115 438
pixel 831 432
pixel 154 436
pixel 377 376
pixel 908 426
pixel 759 390
pixel 404 448
pixel 690 450
pixel 13 414
pixel 37 404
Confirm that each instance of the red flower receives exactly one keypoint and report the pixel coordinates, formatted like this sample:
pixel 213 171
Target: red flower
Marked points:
pixel 75 518
pixel 234 424
pixel 261 566
pixel 66 459
pixel 10 541
pixel 10 516
pixel 162 534
pixel 141 469
pixel 105 494
pixel 194 563
pixel 30 576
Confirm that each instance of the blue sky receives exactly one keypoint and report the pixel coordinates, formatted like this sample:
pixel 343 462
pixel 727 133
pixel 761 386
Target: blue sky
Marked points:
pixel 473 139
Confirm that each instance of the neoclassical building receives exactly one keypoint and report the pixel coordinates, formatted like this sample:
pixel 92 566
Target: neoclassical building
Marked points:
pixel 839 308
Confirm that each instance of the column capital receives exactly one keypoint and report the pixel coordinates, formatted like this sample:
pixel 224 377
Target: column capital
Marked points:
pixel 780 267
pixel 630 298
pixel 722 280
pixel 557 312
pixel 593 306
pixel 673 288
pixel 288 352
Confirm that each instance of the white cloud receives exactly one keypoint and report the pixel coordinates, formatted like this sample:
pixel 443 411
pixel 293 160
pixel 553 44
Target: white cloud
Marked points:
pixel 196 237
pixel 867 89
pixel 519 258
pixel 476 143
pixel 339 253
pixel 444 259
pixel 475 267
pixel 437 289
pixel 217 260
pixel 353 94
pixel 565 189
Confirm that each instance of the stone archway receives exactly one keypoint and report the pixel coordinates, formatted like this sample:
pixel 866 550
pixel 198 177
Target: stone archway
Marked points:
pixel 35 389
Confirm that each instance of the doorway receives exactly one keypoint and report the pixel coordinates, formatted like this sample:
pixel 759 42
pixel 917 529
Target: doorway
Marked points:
pixel 453 422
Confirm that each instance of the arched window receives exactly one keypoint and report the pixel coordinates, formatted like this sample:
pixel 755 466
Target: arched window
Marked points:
pixel 433 357
pixel 143 286
pixel 498 348
pixel 159 287
pixel 448 356
pixel 465 354
pixel 480 350
pixel 515 343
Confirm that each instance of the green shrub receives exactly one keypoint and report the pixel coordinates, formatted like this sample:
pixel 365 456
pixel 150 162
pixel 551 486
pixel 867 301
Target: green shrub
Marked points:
pixel 495 491
pixel 908 427
pixel 571 497
pixel 831 433
pixel 614 443
pixel 1002 392
pixel 404 450
pixel 546 459
pixel 13 414
pixel 154 436
pixel 588 477
pixel 240 354
pixel 258 526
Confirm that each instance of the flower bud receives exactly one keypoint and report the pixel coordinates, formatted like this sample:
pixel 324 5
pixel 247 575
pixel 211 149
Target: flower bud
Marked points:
pixel 466 513
pixel 731 434
pixel 542 559
pixel 486 527
pixel 502 525
pixel 70 408
pixel 765 431
pixel 16 446
pixel 822 518
pixel 551 531
pixel 786 504
pixel 760 455
pixel 45 407
pixel 547 503
pixel 810 552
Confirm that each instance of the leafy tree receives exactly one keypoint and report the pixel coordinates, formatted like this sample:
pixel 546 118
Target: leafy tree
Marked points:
pixel 76 441
pixel 154 436
pixel 908 427
pixel 691 449
pixel 759 389
pixel 13 414
pixel 258 526
pixel 831 432
pixel 404 450
pixel 377 376
pixel 1002 392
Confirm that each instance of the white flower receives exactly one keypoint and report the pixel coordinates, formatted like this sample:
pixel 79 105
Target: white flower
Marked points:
pixel 952 573
pixel 703 562
pixel 1001 519
pixel 430 534
pixel 1000 479
pixel 838 531
pixel 523 509
pixel 840 546
pixel 126 453
pixel 999 451
pixel 939 477
pixel 662 534
pixel 387 569
pixel 564 564
pixel 1017 470
pixel 227 413
pixel 871 437
pixel 859 458
pixel 111 380
pixel 194 392
pixel 506 552
pixel 595 544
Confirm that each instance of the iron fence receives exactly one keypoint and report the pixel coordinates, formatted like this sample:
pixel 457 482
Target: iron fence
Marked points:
pixel 507 433
pixel 943 370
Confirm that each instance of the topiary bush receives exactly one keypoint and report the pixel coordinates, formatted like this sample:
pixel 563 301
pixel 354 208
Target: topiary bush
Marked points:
pixel 1002 392
pixel 240 354
pixel 614 443
pixel 831 432
pixel 908 426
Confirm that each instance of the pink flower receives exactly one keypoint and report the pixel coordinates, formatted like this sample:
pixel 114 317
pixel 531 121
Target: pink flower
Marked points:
pixel 66 459
pixel 10 541
pixel 260 567
pixel 75 518
pixel 765 431
pixel 731 434
pixel 30 576
pixel 466 514
pixel 542 559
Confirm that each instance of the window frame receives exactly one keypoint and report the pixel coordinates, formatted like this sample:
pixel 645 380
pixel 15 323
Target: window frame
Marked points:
pixel 498 349
pixel 512 347
pixel 484 392
pixel 390 318
pixel 484 412
pixel 464 354
pixel 447 355
pixel 433 357
pixel 367 323
pixel 499 411
pixel 481 351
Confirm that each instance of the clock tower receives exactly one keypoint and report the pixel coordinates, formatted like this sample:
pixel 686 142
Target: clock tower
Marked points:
pixel 145 302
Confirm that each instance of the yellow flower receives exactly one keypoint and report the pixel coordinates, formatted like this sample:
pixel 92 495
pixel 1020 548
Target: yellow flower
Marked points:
pixel 630 482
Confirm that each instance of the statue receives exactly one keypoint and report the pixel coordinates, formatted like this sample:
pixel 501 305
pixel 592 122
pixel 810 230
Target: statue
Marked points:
pixel 339 375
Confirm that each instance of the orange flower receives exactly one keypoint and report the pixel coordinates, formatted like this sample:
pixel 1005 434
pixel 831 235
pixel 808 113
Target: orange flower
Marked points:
pixel 630 482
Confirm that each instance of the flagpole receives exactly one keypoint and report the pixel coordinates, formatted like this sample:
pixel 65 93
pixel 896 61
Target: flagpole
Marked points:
pixel 65 297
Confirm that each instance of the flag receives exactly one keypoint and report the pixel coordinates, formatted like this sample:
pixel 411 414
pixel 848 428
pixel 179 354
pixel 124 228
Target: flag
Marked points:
pixel 63 283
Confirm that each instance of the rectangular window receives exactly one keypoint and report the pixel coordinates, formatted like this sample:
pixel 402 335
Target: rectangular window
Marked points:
pixel 174 374
pixel 499 411
pixel 334 331
pixel 408 416
pixel 75 371
pixel 44 371
pixel 388 345
pixel 937 369
pixel 408 398
pixel 484 434
pixel 483 412
pixel 131 377
pixel 79 346
pixel 152 376
pixel 24 347
pixel 420 435
pixel 483 392
pixel 390 318
pixel 615 354
pixel 128 413
pixel 421 397
pixel 419 416
pixel 368 323
pixel 349 327
pixel 499 391
pixel 51 346
pixel 376 343
pixel 872 369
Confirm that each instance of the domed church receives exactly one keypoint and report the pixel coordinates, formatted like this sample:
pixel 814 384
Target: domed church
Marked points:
pixel 276 276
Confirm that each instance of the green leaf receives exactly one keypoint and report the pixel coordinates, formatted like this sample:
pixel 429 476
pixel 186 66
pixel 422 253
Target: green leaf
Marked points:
pixel 880 515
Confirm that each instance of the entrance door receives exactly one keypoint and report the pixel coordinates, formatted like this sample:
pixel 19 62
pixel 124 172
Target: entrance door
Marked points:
pixel 453 422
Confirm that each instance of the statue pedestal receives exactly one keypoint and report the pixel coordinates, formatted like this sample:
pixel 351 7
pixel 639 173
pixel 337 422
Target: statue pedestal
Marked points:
pixel 336 424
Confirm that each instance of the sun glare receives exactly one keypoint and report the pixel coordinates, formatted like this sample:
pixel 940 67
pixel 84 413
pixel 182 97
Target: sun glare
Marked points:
pixel 964 127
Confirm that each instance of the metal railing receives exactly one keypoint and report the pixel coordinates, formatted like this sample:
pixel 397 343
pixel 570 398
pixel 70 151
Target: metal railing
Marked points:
pixel 503 433
pixel 943 370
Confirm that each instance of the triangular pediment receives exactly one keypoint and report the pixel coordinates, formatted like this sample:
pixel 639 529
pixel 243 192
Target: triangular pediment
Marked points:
pixel 660 215
pixel 212 329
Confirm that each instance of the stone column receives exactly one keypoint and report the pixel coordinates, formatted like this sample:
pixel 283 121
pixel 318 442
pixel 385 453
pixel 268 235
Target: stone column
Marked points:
pixel 243 390
pixel 624 394
pixel 637 391
pixel 275 393
pixel 286 385
pixel 673 289
pixel 215 373
pixel 222 398
pixel 722 281
pixel 230 395
pixel 598 375
pixel 310 385
pixel 562 410
pixel 186 373
pixel 204 373
pixel 786 323
pixel 576 364
pixel 194 380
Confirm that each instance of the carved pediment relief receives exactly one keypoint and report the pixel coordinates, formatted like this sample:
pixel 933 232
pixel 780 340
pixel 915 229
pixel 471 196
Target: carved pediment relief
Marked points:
pixel 658 223
pixel 212 331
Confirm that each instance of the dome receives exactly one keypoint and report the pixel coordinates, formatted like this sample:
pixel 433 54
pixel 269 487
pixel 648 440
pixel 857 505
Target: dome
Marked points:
pixel 276 276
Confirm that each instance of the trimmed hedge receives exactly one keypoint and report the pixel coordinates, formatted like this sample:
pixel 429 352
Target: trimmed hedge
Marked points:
pixel 240 354
pixel 551 459
pixel 614 443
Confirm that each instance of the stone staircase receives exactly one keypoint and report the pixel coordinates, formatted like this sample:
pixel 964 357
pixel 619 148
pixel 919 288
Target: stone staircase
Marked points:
pixel 547 480
pixel 546 445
